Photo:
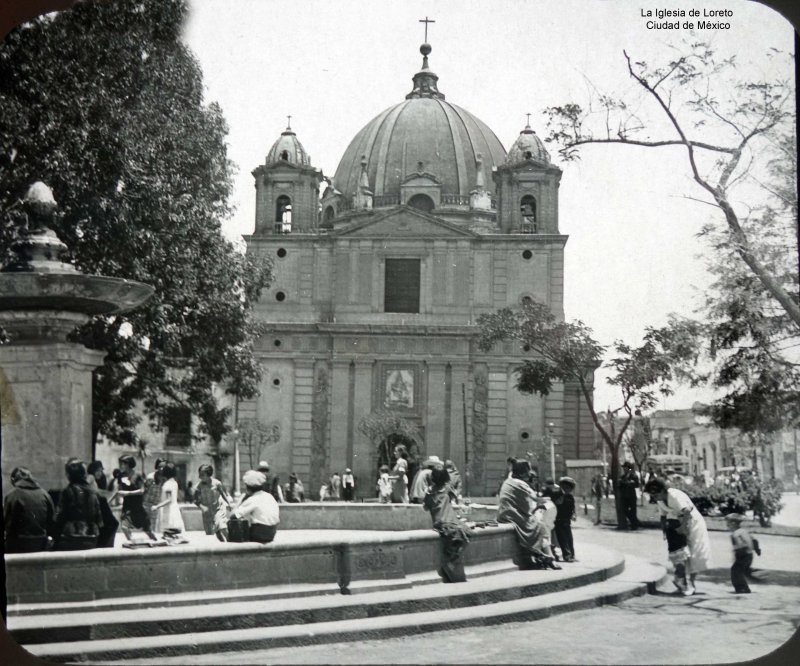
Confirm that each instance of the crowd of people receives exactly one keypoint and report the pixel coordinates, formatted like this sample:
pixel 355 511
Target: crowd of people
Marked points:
pixel 542 514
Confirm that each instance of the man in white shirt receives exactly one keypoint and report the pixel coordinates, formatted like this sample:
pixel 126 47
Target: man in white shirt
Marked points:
pixel 259 508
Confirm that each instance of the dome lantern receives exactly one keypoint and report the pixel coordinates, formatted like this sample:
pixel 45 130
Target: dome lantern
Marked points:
pixel 425 80
pixel 528 146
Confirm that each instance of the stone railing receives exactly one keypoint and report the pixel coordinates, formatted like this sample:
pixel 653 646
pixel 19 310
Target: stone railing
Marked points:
pixel 455 200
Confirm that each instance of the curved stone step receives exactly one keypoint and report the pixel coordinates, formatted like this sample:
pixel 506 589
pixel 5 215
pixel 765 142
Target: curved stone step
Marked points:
pixel 476 602
pixel 291 590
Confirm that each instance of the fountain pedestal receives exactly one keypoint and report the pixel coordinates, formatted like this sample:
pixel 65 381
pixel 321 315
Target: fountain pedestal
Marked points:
pixel 46 380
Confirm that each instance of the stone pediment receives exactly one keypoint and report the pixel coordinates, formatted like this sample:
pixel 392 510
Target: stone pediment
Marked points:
pixel 403 222
pixel 421 179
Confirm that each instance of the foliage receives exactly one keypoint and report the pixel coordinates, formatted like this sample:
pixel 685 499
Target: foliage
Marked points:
pixel 727 124
pixel 749 494
pixel 749 342
pixel 567 352
pixel 105 104
pixel 253 435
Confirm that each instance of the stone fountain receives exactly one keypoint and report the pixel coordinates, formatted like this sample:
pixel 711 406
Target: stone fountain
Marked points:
pixel 46 380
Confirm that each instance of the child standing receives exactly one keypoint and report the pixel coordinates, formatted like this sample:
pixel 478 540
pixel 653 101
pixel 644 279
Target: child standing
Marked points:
pixel 744 545
pixel 384 485
pixel 454 536
pixel 210 496
pixel 168 513
pixel 565 514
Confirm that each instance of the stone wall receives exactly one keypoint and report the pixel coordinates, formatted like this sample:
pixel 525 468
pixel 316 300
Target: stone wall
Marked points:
pixel 105 573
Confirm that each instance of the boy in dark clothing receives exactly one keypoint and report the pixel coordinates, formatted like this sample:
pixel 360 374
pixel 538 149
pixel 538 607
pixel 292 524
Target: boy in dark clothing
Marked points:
pixel 565 514
pixel 743 547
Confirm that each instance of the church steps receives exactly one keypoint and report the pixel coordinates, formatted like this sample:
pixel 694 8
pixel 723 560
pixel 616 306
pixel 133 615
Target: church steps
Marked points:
pixel 237 613
pixel 253 594
pixel 535 601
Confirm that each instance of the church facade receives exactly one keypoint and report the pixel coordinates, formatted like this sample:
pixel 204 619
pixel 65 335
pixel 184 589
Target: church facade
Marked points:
pixel 380 274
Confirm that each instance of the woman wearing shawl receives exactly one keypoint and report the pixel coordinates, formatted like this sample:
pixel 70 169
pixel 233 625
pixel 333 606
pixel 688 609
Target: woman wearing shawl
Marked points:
pixel 78 519
pixel 454 536
pixel 28 514
pixel 516 504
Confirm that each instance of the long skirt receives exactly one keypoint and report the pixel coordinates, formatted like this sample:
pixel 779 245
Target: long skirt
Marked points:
pixel 110 524
pixel 453 541
pixel 699 544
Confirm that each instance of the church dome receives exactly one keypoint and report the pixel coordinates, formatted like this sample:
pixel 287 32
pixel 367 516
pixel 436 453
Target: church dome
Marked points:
pixel 423 134
pixel 528 146
pixel 288 149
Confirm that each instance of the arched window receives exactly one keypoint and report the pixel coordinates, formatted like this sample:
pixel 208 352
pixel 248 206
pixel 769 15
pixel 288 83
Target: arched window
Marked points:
pixel 283 215
pixel 285 155
pixel 527 207
pixel 421 202
pixel 327 218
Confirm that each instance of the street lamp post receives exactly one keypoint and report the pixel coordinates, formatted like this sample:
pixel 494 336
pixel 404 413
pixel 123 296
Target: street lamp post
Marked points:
pixel 551 441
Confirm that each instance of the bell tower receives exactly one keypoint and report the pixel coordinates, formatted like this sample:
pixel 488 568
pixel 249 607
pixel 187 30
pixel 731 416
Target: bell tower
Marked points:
pixel 287 189
pixel 527 188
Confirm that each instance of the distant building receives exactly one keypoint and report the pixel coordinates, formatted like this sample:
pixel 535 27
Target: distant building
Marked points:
pixel 686 432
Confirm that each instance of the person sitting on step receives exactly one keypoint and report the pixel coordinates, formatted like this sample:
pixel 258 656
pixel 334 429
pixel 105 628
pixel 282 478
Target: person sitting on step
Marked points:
pixel 259 508
pixel 78 520
pixel 515 505
pixel 28 514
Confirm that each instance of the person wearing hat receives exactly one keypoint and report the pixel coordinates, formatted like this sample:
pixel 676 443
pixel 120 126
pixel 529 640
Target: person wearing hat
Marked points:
pixel 348 485
pixel 259 508
pixel 272 484
pixel 422 479
pixel 565 514
pixel 744 545
pixel 628 483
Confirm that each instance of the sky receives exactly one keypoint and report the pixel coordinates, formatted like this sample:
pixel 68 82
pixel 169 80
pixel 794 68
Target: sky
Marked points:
pixel 632 257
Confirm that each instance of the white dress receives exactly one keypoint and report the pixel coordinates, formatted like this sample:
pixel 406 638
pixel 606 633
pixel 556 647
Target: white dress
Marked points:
pixel 699 544
pixel 169 516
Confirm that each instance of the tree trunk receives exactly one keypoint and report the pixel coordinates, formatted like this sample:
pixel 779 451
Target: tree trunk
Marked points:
pixel 621 520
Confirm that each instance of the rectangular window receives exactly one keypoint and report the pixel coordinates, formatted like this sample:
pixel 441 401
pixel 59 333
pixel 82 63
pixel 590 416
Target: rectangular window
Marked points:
pixel 178 422
pixel 401 285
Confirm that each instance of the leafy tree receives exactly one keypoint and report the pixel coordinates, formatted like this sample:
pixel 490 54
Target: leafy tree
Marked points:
pixel 105 104
pixel 728 126
pixel 749 341
pixel 567 352
pixel 253 436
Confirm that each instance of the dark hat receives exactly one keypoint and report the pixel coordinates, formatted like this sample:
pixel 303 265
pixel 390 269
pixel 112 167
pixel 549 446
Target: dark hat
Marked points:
pixel 628 464
pixel 567 480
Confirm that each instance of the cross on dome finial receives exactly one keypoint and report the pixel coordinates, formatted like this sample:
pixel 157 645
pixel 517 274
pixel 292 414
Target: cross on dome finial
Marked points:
pixel 528 123
pixel 425 80
pixel 426 20
pixel 288 122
